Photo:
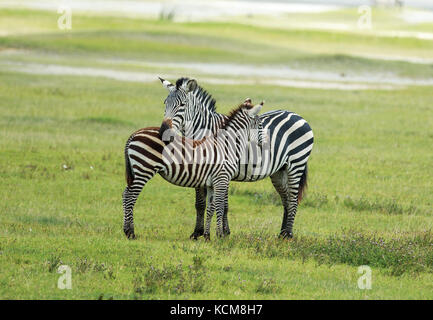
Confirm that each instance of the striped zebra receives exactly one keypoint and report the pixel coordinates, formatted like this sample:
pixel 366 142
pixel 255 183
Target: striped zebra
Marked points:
pixel 190 110
pixel 207 164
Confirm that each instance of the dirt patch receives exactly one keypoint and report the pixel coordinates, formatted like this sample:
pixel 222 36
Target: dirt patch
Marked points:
pixel 316 82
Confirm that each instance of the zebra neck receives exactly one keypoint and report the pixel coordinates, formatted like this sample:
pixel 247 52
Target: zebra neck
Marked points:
pixel 218 121
pixel 205 123
pixel 237 138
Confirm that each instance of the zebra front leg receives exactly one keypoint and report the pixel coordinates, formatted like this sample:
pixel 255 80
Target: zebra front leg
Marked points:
pixel 210 210
pixel 220 193
pixel 200 206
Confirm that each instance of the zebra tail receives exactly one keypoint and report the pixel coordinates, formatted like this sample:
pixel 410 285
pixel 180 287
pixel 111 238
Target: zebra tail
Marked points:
pixel 302 184
pixel 129 175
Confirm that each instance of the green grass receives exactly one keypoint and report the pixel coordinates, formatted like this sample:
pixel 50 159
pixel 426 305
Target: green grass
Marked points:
pixel 369 199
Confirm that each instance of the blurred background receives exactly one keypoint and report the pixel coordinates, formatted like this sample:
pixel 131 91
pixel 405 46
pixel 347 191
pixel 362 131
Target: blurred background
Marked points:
pixel 338 44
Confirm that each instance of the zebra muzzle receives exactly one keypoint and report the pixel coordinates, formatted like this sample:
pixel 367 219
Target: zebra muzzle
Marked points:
pixel 166 125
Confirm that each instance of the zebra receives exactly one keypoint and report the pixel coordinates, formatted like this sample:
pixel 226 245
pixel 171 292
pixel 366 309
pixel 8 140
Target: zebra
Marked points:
pixel 209 163
pixel 190 110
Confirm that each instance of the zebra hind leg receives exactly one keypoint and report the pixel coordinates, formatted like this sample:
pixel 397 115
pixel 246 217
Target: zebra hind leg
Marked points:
pixel 130 196
pixel 200 206
pixel 129 200
pixel 280 182
pixel 296 181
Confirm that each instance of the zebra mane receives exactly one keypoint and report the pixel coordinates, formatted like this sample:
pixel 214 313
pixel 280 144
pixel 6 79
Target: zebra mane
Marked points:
pixel 227 122
pixel 201 94
pixel 233 114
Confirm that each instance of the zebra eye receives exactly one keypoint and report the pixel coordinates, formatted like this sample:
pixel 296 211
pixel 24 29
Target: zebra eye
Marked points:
pixel 182 104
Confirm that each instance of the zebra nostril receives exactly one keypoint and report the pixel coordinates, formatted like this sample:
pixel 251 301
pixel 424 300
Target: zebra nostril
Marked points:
pixel 165 131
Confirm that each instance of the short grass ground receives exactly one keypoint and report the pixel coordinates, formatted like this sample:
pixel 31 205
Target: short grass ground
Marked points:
pixel 369 199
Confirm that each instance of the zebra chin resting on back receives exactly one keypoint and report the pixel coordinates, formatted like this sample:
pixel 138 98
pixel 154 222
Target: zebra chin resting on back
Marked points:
pixel 208 163
pixel 190 110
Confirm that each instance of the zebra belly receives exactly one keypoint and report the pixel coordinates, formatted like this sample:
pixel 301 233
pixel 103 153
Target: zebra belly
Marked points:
pixel 252 166
pixel 193 175
pixel 180 184
pixel 190 175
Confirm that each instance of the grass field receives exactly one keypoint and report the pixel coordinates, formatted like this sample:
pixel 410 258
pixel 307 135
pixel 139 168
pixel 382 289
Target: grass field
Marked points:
pixel 369 200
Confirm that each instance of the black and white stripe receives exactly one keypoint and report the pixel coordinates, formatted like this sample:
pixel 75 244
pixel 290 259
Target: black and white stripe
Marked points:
pixel 208 164
pixel 191 110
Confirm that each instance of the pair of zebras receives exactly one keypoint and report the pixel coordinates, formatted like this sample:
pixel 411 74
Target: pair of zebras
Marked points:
pixel 215 149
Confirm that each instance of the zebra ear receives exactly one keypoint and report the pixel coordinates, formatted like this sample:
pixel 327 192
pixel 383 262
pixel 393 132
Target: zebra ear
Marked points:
pixel 190 85
pixel 255 110
pixel 166 84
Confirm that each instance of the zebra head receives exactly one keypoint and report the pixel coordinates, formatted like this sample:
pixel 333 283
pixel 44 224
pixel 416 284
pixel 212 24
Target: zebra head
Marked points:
pixel 176 103
pixel 244 124
pixel 255 132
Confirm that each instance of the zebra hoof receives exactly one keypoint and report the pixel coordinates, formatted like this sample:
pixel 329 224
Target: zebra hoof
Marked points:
pixel 129 233
pixel 220 234
pixel 207 236
pixel 286 234
pixel 196 234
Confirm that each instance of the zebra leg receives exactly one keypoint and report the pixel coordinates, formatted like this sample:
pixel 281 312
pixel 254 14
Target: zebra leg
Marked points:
pixel 226 228
pixel 210 210
pixel 220 193
pixel 130 196
pixel 294 181
pixel 129 199
pixel 200 206
pixel 280 180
